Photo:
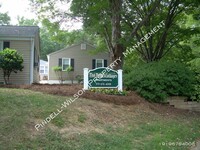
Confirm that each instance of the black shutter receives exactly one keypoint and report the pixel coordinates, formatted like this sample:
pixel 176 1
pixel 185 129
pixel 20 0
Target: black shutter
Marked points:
pixel 60 62
pixel 105 63
pixel 93 63
pixel 6 45
pixel 72 63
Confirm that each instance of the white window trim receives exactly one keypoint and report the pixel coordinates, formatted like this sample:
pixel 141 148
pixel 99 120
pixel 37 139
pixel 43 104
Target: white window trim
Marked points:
pixel 46 71
pixel 102 60
pixel 69 62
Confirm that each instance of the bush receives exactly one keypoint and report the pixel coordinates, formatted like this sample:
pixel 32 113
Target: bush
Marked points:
pixel 59 73
pixel 158 80
pixel 10 61
pixel 109 91
pixel 79 78
pixel 195 66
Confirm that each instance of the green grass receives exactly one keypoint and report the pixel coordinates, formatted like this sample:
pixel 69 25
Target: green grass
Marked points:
pixel 74 128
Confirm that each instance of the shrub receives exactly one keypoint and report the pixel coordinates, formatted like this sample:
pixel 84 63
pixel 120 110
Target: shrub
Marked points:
pixel 109 91
pixel 158 80
pixel 195 66
pixel 10 61
pixel 79 78
pixel 59 73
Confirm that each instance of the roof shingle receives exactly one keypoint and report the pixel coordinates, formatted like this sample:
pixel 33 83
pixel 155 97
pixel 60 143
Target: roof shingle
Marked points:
pixel 19 31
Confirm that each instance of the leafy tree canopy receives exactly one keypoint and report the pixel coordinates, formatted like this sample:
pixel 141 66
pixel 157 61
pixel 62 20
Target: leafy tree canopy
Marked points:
pixel 122 24
pixel 4 18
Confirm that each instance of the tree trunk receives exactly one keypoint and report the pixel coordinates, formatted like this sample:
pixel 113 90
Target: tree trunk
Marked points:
pixel 6 76
pixel 117 48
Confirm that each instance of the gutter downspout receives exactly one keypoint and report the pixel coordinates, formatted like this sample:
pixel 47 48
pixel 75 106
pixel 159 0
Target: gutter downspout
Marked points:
pixel 48 65
pixel 32 60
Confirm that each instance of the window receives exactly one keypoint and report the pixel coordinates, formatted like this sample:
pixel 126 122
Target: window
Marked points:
pixel 44 69
pixel 96 63
pixel 99 63
pixel 41 69
pixel 4 45
pixel 65 63
pixel 83 46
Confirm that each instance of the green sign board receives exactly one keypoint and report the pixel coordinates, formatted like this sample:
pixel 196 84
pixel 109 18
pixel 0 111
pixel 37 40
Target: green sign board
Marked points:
pixel 103 78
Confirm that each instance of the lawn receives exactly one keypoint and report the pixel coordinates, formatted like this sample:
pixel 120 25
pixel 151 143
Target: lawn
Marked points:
pixel 90 125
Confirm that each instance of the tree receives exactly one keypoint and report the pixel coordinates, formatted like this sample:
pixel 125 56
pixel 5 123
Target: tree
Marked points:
pixel 22 21
pixel 110 17
pixel 59 73
pixel 10 61
pixel 122 24
pixel 173 14
pixel 48 44
pixel 4 18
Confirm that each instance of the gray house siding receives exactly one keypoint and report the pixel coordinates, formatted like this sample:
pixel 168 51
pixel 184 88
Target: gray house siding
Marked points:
pixel 23 47
pixel 26 41
pixel 80 58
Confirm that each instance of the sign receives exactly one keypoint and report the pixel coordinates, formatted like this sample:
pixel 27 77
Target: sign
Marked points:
pixel 102 78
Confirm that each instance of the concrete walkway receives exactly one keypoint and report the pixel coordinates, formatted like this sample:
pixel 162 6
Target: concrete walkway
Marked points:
pixel 56 82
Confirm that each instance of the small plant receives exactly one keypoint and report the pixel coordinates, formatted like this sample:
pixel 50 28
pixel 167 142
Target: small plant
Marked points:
pixel 79 78
pixel 109 91
pixel 10 61
pixel 59 73
pixel 82 118
pixel 70 73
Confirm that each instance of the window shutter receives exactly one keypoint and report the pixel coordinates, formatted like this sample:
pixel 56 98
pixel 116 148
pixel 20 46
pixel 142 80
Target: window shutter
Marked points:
pixel 72 63
pixel 93 63
pixel 6 45
pixel 60 62
pixel 105 63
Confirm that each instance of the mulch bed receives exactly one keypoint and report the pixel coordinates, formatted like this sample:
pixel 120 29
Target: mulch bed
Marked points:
pixel 69 90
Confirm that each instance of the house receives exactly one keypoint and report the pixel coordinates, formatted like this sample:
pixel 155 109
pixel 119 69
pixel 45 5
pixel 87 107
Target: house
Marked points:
pixel 44 70
pixel 25 39
pixel 78 57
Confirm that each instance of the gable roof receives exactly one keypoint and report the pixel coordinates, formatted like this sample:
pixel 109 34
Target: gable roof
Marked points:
pixel 19 31
pixel 69 47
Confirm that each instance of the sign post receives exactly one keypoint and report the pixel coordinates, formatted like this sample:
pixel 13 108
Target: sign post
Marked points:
pixel 85 82
pixel 120 86
pixel 102 78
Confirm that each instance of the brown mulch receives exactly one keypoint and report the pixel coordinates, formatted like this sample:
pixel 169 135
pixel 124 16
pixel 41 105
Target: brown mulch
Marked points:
pixel 131 99
pixel 69 90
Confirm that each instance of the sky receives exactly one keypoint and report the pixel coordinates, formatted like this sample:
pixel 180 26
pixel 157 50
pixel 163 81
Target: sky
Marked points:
pixel 16 8
pixel 22 8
